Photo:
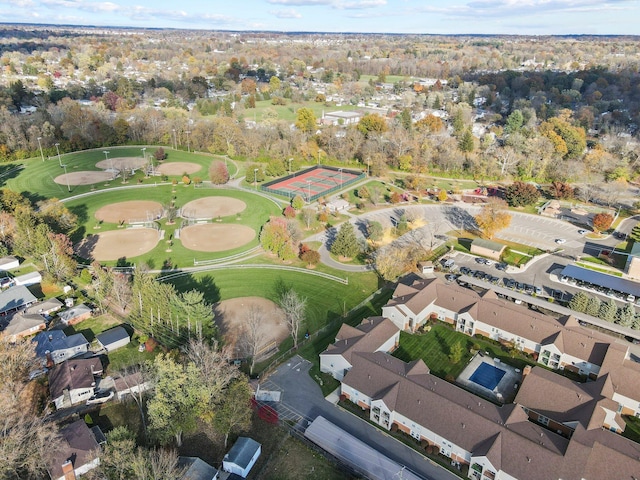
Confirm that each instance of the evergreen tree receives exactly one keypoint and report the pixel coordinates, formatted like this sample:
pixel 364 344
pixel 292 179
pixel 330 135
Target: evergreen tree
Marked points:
pixel 608 310
pixel 625 315
pixel 346 243
pixel 467 144
pixel 579 302
pixel 593 307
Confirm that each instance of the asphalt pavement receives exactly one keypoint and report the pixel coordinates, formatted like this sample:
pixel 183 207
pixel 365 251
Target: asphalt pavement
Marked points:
pixel 302 401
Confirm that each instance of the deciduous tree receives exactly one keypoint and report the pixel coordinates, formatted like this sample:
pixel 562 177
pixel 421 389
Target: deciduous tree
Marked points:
pixel 218 173
pixel 492 218
pixel 521 194
pixel 602 221
pixel 294 307
pixel 234 412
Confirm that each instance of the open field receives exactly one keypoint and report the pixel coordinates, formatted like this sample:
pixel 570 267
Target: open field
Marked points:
pixel 252 218
pixel 36 179
pixel 116 244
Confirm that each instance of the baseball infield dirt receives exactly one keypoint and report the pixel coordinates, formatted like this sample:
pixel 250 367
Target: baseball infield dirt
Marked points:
pixel 213 207
pixel 178 168
pixel 211 237
pixel 116 244
pixel 132 211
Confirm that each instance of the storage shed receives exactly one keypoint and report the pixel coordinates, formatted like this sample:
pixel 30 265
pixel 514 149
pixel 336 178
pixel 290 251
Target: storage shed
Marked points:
pixel 487 248
pixel 27 279
pixel 113 339
pixel 9 263
pixel 242 456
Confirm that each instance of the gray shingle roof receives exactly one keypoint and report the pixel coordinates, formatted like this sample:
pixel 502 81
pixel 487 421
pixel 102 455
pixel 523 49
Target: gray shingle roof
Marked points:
pixel 242 452
pixel 15 297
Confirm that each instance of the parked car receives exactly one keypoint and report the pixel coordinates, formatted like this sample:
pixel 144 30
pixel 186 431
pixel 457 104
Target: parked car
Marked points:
pixel 488 262
pixel 501 266
pixel 582 231
pixel 101 397
pixel 537 290
pixel 465 270
pixel 480 260
pixel 560 241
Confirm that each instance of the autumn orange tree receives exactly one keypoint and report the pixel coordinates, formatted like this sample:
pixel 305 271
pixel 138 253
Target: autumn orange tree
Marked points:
pixel 602 221
pixel 493 217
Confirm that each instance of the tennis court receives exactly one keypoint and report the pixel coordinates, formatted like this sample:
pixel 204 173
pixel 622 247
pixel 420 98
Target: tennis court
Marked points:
pixel 313 183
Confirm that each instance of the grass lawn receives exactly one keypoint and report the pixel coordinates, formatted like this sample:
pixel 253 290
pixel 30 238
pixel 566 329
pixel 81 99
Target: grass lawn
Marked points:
pixel 294 460
pixel 326 299
pixel 632 430
pixel 35 180
pixel 288 112
pixel 93 326
pixel 435 346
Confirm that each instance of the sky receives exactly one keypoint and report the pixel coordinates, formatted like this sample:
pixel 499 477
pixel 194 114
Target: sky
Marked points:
pixel 524 17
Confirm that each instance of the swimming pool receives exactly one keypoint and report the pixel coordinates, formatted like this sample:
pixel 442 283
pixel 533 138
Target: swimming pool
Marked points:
pixel 487 376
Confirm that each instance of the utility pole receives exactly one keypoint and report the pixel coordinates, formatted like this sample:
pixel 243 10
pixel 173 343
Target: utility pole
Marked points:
pixel 188 143
pixel 58 150
pixel 40 146
pixel 255 178
pixel 67 177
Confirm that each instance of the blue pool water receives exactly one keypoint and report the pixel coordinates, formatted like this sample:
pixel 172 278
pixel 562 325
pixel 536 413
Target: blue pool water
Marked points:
pixel 487 376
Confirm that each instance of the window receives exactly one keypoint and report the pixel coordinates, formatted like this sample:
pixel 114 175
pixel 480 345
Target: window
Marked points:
pixel 543 420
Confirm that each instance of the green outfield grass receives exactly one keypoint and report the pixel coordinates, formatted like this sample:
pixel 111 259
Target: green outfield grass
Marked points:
pixel 326 299
pixel 255 215
pixel 36 179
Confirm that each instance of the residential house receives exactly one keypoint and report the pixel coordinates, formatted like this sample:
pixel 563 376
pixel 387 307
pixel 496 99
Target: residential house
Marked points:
pixel 113 338
pixel 372 335
pixel 45 307
pixel 21 325
pixel 75 315
pixel 54 347
pixel 73 381
pixel 15 298
pixel 196 469
pixel 76 453
pixel 495 441
pixel 242 456
pixel 624 374
pixel 557 344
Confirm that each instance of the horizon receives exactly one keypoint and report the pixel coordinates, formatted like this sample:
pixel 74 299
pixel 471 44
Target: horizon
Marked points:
pixel 391 17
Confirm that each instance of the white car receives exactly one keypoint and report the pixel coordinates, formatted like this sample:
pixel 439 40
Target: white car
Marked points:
pixel 560 241
pixel 583 232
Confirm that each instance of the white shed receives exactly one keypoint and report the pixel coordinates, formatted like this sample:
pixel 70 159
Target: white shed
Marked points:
pixel 27 279
pixel 242 456
pixel 113 338
pixel 8 263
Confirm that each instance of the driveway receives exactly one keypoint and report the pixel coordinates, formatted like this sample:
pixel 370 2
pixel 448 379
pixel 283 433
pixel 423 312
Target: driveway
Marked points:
pixel 302 401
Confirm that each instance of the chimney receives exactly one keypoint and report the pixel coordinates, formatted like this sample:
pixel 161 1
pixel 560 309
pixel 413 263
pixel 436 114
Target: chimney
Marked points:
pixel 67 471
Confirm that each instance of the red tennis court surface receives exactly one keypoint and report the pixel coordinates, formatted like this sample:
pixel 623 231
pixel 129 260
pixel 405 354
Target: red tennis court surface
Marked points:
pixel 313 183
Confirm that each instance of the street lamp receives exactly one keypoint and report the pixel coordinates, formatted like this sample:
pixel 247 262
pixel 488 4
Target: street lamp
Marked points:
pixel 309 191
pixel 58 150
pixel 144 155
pixel 255 178
pixel 106 157
pixel 290 165
pixel 340 170
pixel 188 144
pixel 175 141
pixel 40 146
pixel 67 177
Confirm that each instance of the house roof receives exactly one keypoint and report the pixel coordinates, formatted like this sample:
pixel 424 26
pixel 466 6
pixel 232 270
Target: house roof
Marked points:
pixel 23 322
pixel 44 306
pixel 15 297
pixel 196 469
pixel 7 261
pixel 77 444
pixel 623 372
pixel 559 398
pixel 576 341
pixel 27 277
pixel 73 374
pixel 503 434
pixel 74 312
pixel 53 340
pixel 242 452
pixel 111 336
pixel 488 244
pixel 370 335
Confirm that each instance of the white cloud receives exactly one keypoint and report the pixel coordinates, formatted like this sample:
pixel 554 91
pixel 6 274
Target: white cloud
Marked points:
pixel 285 13
pixel 301 3
pixel 360 4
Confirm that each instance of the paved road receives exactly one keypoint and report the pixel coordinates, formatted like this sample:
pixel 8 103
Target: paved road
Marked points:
pixel 302 400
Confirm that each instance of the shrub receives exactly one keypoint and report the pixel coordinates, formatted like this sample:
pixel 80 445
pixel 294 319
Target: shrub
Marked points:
pixel 289 212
